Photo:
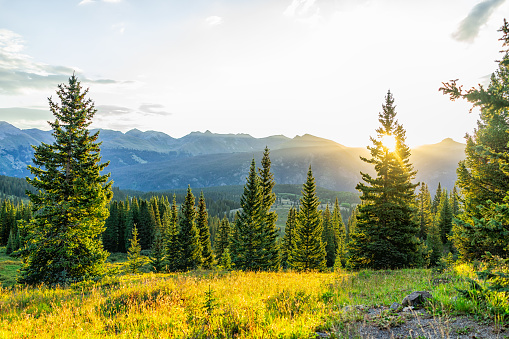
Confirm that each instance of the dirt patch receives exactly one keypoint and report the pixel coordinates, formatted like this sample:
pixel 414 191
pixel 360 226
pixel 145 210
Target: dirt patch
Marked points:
pixel 382 322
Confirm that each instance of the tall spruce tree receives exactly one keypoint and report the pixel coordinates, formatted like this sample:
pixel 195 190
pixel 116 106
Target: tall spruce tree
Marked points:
pixel 247 234
pixel 352 223
pixel 308 250
pixel 483 181
pixel 339 233
pixel 157 253
pixel 146 224
pixel 444 217
pixel 222 237
pixel 454 202
pixel 329 237
pixel 436 199
pixel 63 240
pixel 424 211
pixel 386 235
pixel 434 244
pixel 287 245
pixel 269 247
pixel 202 223
pixel 189 237
pixel 173 254
pixel 7 221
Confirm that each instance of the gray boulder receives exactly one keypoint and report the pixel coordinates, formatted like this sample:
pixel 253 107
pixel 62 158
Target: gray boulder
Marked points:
pixel 416 299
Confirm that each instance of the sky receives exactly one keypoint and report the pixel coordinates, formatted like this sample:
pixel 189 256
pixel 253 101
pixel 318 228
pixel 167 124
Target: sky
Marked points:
pixel 260 67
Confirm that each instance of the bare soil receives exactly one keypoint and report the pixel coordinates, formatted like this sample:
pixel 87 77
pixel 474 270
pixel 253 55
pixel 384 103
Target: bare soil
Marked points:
pixel 381 323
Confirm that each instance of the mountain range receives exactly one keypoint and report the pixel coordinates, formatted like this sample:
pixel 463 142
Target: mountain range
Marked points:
pixel 151 161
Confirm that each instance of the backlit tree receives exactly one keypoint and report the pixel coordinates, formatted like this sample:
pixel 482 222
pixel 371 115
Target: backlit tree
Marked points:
pixel 63 240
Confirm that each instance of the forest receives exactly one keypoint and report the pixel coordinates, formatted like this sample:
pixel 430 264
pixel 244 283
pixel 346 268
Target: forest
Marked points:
pixel 192 264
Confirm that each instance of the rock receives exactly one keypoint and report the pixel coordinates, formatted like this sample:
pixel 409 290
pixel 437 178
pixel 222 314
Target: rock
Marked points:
pixel 416 298
pixel 408 309
pixel 395 306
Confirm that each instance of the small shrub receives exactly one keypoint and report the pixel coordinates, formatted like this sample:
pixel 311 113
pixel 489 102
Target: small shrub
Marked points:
pixel 210 301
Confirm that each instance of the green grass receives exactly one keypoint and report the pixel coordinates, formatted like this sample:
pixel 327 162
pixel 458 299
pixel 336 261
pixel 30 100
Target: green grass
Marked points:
pixel 220 304
pixel 8 269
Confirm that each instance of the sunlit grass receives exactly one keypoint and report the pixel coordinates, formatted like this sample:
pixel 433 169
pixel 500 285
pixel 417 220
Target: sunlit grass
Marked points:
pixel 245 304
pixel 222 304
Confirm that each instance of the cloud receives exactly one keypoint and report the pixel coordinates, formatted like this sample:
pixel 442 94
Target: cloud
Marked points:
pixel 109 110
pixel 19 72
pixel 469 27
pixel 214 20
pixel 144 109
pixel 86 2
pixel 153 109
pixel 302 9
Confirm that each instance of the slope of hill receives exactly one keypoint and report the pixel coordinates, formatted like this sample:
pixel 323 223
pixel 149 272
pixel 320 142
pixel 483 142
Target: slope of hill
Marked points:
pixel 151 160
pixel 438 162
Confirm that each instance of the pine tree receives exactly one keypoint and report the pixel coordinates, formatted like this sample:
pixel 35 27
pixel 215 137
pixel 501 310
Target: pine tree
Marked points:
pixel 134 259
pixel 444 217
pixel 454 202
pixel 11 243
pixel 288 237
pixel 483 224
pixel 223 237
pixel 7 221
pixel 424 211
pixel 146 224
pixel 202 223
pixel 62 242
pixel 164 206
pixel 436 199
pixel 133 218
pixel 247 235
pixel 386 235
pixel 308 251
pixel 173 248
pixel 189 238
pixel 154 204
pixel 225 260
pixel 157 253
pixel 269 248
pixel 434 243
pixel 339 234
pixel 329 237
pixel 352 223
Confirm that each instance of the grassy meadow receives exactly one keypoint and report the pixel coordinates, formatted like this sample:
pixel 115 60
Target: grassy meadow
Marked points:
pixel 218 304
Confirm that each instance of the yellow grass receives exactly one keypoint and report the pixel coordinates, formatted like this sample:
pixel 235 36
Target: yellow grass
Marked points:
pixel 243 305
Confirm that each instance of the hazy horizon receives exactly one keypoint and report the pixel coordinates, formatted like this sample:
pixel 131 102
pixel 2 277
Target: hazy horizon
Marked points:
pixel 261 68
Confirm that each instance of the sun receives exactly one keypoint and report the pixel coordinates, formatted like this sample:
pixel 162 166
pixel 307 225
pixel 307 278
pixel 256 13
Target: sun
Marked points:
pixel 389 141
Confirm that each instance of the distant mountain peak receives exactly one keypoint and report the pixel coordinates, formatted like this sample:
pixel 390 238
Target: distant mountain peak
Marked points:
pixel 134 131
pixel 8 129
pixel 449 141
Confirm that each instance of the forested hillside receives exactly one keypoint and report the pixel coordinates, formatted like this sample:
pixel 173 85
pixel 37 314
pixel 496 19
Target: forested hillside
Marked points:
pixel 154 161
